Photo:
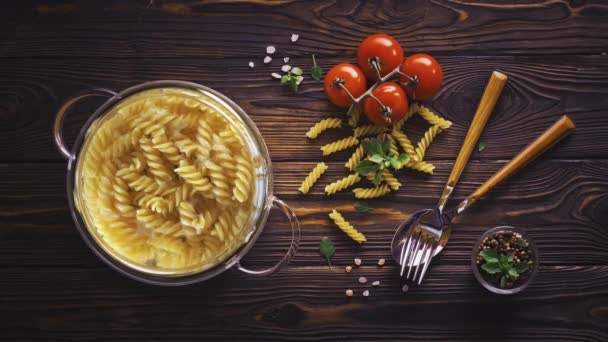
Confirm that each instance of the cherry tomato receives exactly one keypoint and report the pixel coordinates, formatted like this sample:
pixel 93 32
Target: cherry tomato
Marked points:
pixel 382 46
pixel 392 97
pixel 353 79
pixel 429 75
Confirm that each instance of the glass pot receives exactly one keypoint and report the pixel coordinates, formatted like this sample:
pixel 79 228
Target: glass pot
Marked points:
pixel 264 198
pixel 487 285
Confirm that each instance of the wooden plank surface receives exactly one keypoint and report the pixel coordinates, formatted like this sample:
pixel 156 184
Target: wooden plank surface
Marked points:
pixel 554 53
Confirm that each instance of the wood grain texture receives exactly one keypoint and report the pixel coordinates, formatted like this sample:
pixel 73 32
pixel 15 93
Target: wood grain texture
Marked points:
pixel 221 29
pixel 539 90
pixel 565 303
pixel 553 51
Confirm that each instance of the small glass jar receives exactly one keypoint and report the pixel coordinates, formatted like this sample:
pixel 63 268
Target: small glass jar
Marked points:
pixel 489 286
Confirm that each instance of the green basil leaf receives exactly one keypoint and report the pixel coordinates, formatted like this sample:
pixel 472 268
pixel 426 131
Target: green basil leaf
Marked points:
pixel 316 73
pixel 403 158
pixel 386 145
pixel 377 178
pixel 489 255
pixel 521 268
pixel 285 78
pixel 327 250
pixel 376 158
pixel 491 267
pixel 362 206
pixel 296 71
pixel 395 163
pixel 481 146
pixel 373 146
pixel 365 167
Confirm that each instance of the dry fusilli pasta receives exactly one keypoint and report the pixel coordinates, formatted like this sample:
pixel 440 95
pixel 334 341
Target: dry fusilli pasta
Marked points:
pixel 342 184
pixel 433 118
pixel 371 192
pixel 323 125
pixel 312 177
pixel 426 140
pixel 347 227
pixel 339 145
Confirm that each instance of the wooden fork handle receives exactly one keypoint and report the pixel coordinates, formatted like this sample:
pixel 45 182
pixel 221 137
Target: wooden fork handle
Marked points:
pixel 551 136
pixel 486 105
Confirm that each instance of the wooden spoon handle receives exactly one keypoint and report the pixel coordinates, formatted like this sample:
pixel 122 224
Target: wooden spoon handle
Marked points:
pixel 486 105
pixel 551 136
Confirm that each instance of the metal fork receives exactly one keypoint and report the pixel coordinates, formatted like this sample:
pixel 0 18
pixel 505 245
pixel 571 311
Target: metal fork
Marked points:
pixel 424 235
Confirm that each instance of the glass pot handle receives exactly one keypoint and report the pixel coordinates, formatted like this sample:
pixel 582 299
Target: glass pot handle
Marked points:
pixel 295 241
pixel 58 125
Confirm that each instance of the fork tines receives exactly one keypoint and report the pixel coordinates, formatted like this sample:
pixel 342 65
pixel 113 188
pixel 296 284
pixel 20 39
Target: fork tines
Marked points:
pixel 418 249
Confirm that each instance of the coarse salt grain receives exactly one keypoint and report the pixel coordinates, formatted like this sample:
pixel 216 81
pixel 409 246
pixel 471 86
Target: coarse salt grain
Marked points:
pixel 357 261
pixel 270 49
pixel 251 65
pixel 348 269
pixel 285 68
pixel 376 283
pixel 349 293
pixel 363 280
pixel 294 37
pixel 381 262
pixel 366 293
pixel 275 75
pixel 405 288
pixel 267 59
pixel 286 59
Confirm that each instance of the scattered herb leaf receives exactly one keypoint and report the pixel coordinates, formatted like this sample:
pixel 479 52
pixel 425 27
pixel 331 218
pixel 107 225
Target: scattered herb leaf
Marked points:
pixel 365 167
pixel 481 146
pixel 316 71
pixel 379 160
pixel 362 206
pixel 377 178
pixel 292 78
pixel 327 250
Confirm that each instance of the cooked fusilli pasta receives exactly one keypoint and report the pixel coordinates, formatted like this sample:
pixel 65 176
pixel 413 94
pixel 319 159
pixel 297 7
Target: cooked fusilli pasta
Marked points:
pixel 167 181
pixel 347 227
pixel 323 125
pixel 342 184
pixel 339 145
pixel 371 192
pixel 312 177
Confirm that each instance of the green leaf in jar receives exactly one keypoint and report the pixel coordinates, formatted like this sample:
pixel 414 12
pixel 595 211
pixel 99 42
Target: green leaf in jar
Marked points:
pixel 521 268
pixel 491 267
pixel 489 255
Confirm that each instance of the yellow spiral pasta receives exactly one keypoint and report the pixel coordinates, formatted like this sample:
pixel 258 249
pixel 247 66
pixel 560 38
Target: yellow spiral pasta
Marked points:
pixel 368 130
pixel 433 118
pixel 347 227
pixel 323 125
pixel 405 143
pixel 312 177
pixel 339 145
pixel 421 166
pixel 391 180
pixel 355 158
pixel 371 192
pixel 426 140
pixel 342 184
pixel 242 181
pixel 194 177
pixel 167 181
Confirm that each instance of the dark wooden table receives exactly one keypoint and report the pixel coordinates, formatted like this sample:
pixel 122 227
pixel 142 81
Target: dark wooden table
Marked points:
pixel 554 53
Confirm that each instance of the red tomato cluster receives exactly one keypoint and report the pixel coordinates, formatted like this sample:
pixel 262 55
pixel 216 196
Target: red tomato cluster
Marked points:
pixel 419 76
